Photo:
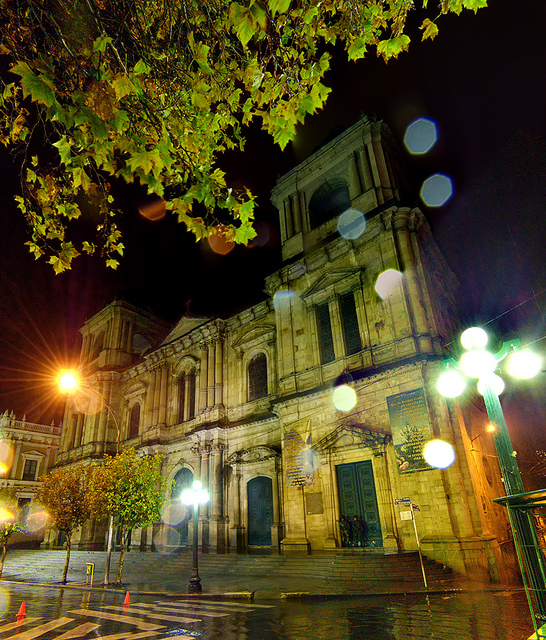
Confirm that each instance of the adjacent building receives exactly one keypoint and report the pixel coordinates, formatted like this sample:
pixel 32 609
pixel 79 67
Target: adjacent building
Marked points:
pixel 309 409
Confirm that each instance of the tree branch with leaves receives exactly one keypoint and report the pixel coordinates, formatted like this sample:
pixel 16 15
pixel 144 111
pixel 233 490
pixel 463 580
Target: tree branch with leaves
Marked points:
pixel 153 92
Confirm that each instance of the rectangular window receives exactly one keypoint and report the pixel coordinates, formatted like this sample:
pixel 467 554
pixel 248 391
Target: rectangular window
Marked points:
pixel 191 394
pixel 326 341
pixel 351 332
pixel 29 471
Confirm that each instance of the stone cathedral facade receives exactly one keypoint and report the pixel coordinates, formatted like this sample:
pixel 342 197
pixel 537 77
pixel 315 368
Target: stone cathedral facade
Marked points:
pixel 246 404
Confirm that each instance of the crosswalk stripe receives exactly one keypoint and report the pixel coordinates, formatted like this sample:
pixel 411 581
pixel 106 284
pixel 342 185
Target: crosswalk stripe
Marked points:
pixel 138 622
pixel 235 606
pixel 133 636
pixel 79 631
pixel 43 628
pixel 156 616
pixel 189 609
pixel 15 625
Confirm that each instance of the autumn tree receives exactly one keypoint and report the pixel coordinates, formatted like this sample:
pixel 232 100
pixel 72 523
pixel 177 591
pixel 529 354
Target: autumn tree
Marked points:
pixel 10 515
pixel 64 494
pixel 154 91
pixel 129 488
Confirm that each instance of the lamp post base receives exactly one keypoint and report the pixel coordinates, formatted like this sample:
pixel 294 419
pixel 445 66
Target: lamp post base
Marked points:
pixel 195 585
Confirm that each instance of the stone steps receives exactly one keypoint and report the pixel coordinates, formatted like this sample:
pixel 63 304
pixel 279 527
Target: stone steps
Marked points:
pixel 358 568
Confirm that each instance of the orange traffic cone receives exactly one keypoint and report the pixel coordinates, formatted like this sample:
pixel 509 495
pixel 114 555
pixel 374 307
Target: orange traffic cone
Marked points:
pixel 21 613
pixel 126 602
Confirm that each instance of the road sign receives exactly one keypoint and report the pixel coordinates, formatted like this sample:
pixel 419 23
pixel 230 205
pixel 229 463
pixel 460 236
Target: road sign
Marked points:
pixel 405 501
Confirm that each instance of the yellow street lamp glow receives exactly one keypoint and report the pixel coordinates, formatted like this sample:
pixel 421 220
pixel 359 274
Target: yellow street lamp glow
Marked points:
pixel 439 454
pixel 478 363
pixel 491 428
pixel 524 364
pixel 68 381
pixel 474 338
pixel 495 382
pixel 451 384
pixel 195 495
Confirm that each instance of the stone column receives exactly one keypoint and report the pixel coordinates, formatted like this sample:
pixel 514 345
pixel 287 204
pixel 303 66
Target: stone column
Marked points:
pixel 337 327
pixel 288 214
pixel 218 387
pixel 162 409
pixel 276 527
pixel 204 508
pixel 415 300
pixel 354 186
pixel 237 528
pixel 211 371
pixel 203 380
pixel 332 540
pixel 297 212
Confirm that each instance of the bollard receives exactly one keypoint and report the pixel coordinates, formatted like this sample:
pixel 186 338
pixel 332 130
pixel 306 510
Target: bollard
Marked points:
pixel 90 570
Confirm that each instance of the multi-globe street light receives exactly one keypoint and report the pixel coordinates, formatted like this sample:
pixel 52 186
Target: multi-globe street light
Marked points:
pixel 195 496
pixel 479 364
pixel 69 383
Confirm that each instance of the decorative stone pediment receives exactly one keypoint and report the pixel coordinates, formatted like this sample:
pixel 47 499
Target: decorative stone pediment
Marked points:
pixel 135 389
pixel 354 435
pixel 253 455
pixel 184 326
pixel 258 336
pixel 332 282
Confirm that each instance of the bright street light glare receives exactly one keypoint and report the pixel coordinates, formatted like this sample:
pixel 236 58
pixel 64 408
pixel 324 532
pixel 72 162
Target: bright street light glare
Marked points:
pixel 524 364
pixel 474 338
pixel 68 381
pixel 478 363
pixel 451 384
pixel 196 495
pixel 344 398
pixel 495 382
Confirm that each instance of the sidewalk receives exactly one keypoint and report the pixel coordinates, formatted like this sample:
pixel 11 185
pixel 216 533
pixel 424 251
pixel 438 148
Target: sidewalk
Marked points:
pixel 228 576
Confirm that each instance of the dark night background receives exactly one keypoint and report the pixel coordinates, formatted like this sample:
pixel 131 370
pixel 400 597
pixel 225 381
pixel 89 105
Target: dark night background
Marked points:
pixel 481 80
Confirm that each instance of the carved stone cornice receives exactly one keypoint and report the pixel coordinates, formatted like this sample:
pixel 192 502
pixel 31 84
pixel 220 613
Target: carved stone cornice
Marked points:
pixel 253 455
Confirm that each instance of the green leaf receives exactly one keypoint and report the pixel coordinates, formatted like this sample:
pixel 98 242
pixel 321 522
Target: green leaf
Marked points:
pixel 101 43
pixel 39 88
pixel 474 4
pixel 141 68
pixel 278 6
pixel 64 147
pixel 122 85
pixel 429 28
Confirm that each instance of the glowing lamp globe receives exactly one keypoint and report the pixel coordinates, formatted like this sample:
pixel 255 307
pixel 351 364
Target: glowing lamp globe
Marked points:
pixel 439 454
pixel 344 398
pixel 451 384
pixel 474 338
pixel 524 364
pixel 478 363
pixel 495 383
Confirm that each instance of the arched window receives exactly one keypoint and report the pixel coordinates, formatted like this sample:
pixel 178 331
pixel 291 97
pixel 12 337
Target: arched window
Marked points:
pixel 186 397
pixel 328 201
pixel 134 421
pixel 257 377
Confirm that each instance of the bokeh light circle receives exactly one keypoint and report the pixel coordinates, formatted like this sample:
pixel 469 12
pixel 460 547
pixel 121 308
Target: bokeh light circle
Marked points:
pixel 219 242
pixel 436 190
pixel 167 540
pixel 174 513
pixel 421 135
pixel 439 454
pixel 344 398
pixel 4 602
pixel 153 208
pixel 387 283
pixel 36 519
pixel 6 457
pixel 451 384
pixel 351 224
pixel 282 299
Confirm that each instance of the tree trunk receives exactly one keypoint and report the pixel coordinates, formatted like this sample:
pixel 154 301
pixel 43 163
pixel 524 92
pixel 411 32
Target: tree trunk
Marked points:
pixel 65 572
pixel 4 551
pixel 121 554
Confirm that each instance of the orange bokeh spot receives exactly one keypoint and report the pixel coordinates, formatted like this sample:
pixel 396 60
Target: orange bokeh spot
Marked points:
pixel 218 241
pixel 154 209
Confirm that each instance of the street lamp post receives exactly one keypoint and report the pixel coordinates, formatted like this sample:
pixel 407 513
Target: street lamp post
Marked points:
pixel 480 364
pixel 69 382
pixel 195 496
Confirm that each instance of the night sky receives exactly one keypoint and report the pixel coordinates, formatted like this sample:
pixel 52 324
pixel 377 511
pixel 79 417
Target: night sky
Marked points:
pixel 481 80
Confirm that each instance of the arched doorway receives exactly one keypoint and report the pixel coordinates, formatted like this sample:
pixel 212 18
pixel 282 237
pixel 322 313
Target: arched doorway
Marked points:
pixel 260 511
pixel 178 534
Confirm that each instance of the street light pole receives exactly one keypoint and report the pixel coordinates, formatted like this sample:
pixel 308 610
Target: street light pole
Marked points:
pixel 195 496
pixel 480 364
pixel 69 382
